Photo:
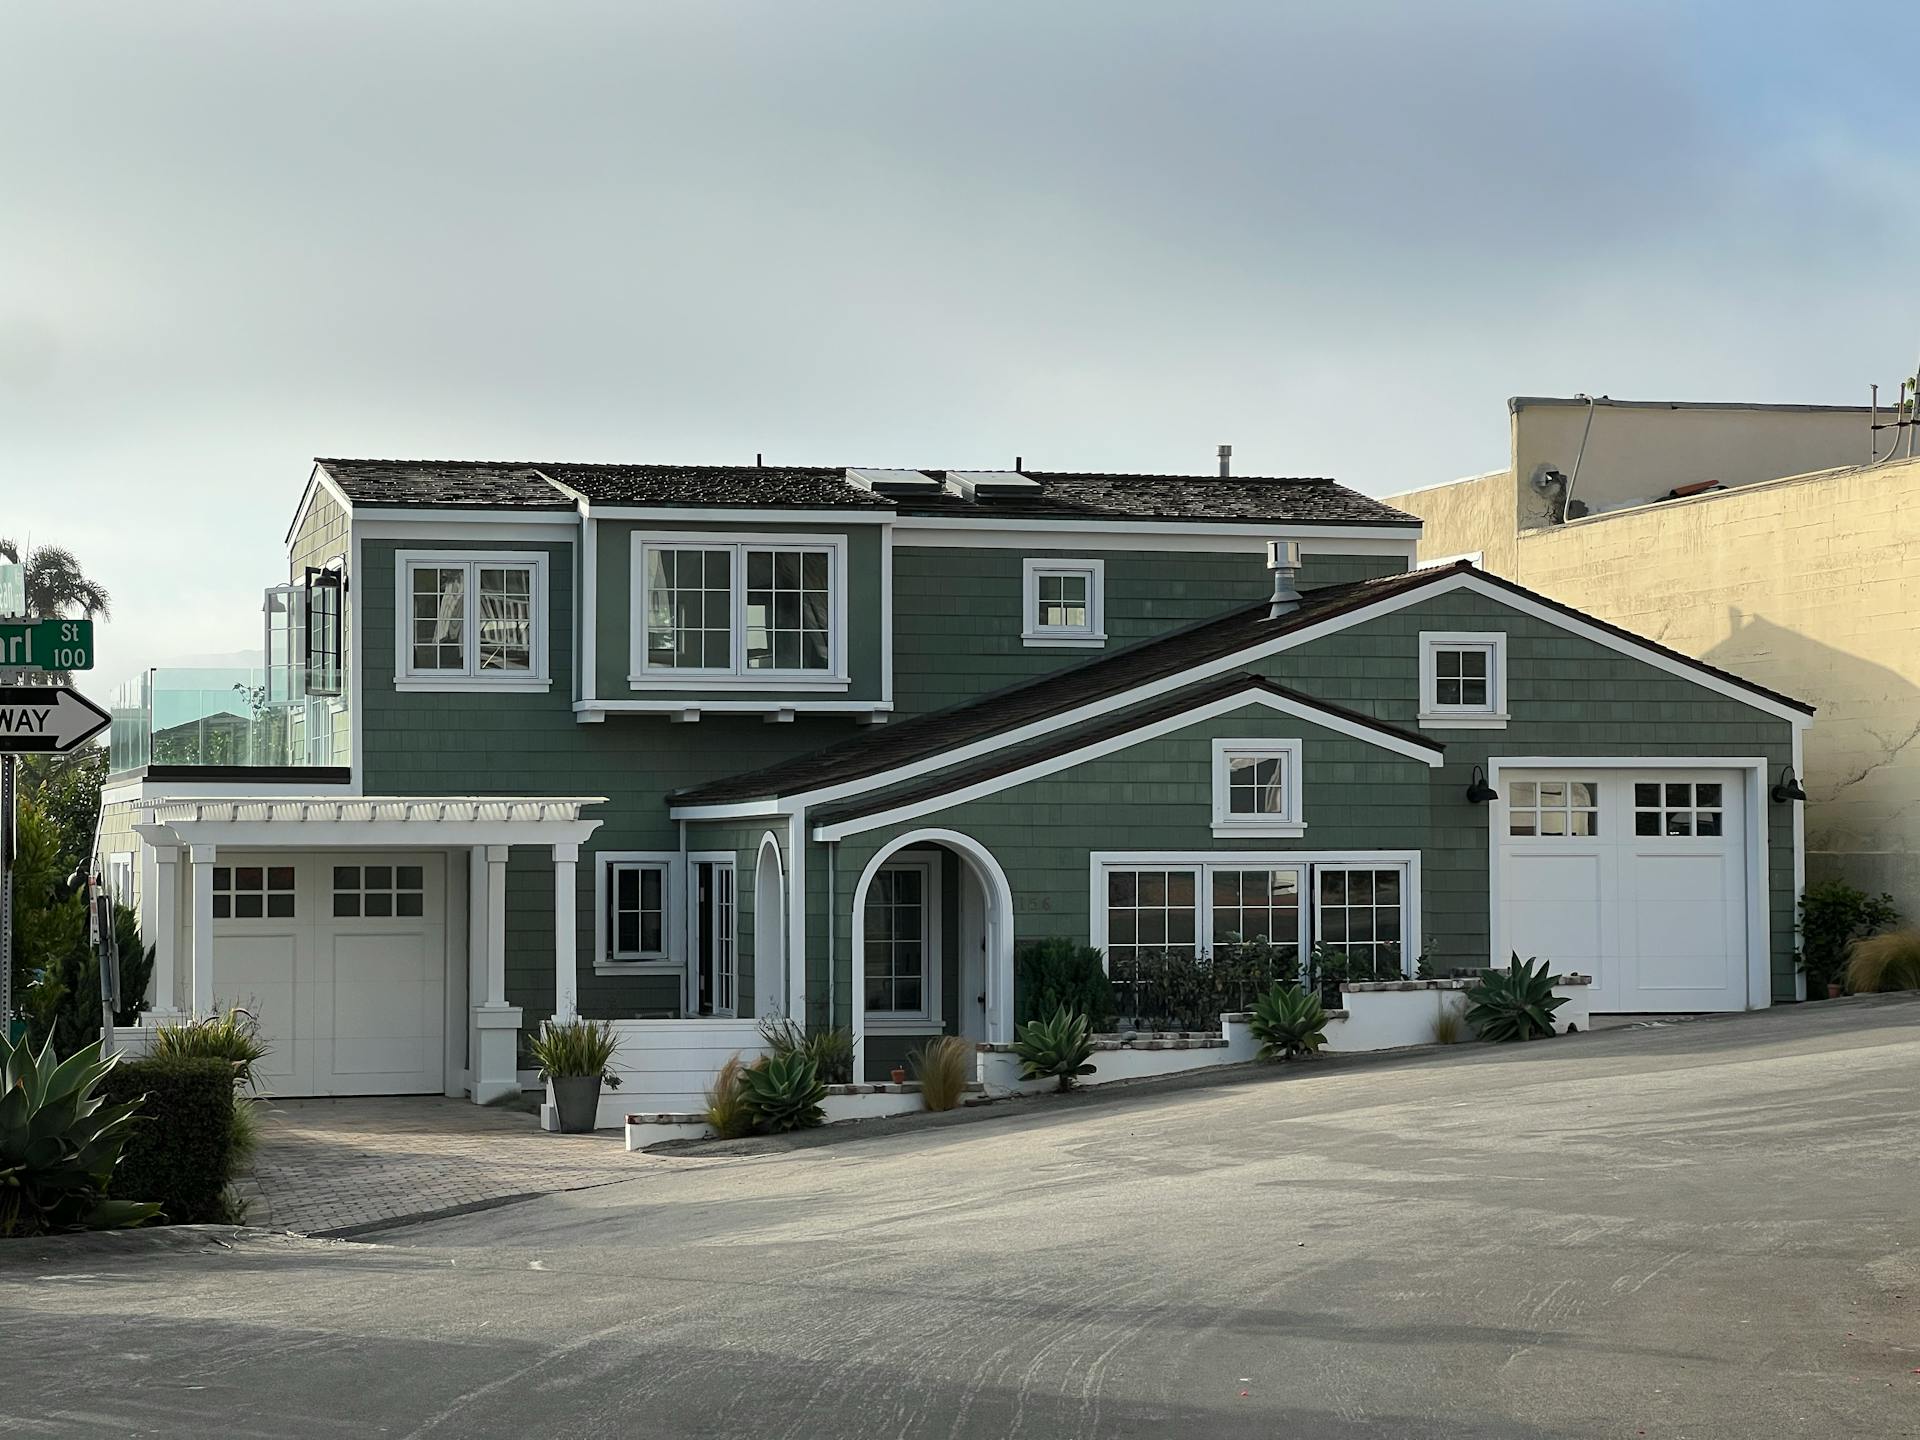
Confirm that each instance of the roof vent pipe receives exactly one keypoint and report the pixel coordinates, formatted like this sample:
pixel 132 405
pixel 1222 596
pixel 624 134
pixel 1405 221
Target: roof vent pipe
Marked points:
pixel 1283 558
pixel 1226 460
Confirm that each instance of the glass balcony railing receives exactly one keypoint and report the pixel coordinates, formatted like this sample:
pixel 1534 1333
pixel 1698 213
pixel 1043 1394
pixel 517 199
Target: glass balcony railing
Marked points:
pixel 254 718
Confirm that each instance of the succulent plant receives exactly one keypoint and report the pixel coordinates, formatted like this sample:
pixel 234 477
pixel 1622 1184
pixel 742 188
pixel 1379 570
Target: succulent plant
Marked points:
pixel 1057 1046
pixel 59 1142
pixel 783 1092
pixel 1288 1021
pixel 1516 1003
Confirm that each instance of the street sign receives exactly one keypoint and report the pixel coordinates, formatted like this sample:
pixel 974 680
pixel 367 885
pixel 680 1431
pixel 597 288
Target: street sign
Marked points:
pixel 47 644
pixel 39 718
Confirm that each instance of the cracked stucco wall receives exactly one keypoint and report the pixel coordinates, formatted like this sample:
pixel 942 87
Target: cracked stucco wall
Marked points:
pixel 1806 585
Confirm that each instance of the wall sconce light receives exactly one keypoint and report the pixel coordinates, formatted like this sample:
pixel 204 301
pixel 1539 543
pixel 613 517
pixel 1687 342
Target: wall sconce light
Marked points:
pixel 1478 790
pixel 1789 787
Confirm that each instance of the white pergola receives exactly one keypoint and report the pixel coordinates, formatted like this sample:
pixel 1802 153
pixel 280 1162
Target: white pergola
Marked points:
pixel 486 826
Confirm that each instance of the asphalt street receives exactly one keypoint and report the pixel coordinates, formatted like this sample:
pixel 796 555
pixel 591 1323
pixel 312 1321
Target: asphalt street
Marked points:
pixel 1700 1230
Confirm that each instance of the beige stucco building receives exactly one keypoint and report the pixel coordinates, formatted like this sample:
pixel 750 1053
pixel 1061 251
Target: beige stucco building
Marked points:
pixel 1799 574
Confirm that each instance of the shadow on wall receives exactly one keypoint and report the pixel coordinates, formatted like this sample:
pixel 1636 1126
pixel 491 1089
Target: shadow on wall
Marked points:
pixel 1862 753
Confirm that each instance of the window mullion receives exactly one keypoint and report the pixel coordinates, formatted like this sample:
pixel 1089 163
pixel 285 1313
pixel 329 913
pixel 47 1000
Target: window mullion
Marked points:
pixel 737 582
pixel 470 622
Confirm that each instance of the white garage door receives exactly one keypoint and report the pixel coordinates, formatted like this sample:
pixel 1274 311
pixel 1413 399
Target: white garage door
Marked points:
pixel 1638 878
pixel 344 959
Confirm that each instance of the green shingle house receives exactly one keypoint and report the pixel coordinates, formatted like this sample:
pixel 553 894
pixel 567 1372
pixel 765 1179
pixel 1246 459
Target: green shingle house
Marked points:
pixel 687 746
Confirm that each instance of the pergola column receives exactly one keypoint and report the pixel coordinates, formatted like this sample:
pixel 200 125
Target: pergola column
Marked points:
pixel 496 1024
pixel 566 959
pixel 165 934
pixel 200 858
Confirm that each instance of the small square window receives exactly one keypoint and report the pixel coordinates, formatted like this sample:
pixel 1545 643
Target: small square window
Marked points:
pixel 1679 809
pixel 1256 787
pixel 1463 679
pixel 1558 808
pixel 1063 602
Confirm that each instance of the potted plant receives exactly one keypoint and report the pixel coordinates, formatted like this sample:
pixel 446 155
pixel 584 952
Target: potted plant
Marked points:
pixel 1834 914
pixel 899 1074
pixel 573 1056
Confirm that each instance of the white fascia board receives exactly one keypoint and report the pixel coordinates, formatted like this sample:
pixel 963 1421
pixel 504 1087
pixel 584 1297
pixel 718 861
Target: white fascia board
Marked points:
pixel 318 480
pixel 979 532
pixel 469 529
pixel 724 515
pixel 1040 769
pixel 1630 762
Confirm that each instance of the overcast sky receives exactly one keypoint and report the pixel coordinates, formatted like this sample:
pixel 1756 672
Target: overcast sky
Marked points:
pixel 1098 235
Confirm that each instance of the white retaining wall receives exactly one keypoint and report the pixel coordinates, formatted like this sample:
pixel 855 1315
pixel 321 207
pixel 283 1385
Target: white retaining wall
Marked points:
pixel 665 1066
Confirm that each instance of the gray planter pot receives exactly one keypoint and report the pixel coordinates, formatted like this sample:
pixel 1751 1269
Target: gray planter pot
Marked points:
pixel 575 1100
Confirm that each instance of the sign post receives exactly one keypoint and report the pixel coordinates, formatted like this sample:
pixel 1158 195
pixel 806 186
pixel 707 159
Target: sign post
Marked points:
pixel 34 720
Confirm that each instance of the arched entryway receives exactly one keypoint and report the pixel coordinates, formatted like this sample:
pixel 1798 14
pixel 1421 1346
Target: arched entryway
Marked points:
pixel 932 946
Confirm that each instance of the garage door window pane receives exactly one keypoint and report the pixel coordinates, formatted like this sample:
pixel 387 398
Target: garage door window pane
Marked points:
pixel 252 892
pixel 1680 808
pixel 379 891
pixel 1558 807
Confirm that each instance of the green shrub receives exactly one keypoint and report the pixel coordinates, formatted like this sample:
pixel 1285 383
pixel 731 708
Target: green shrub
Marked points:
pixel 233 1037
pixel 61 1134
pixel 183 1153
pixel 941 1067
pixel 1059 972
pixel 1288 1021
pixel 783 1092
pixel 830 1050
pixel 1057 1046
pixel 1884 962
pixel 727 1112
pixel 566 1049
pixel 1834 914
pixel 1516 1003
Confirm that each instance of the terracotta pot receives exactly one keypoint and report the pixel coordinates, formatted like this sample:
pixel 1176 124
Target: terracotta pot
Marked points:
pixel 899 1075
pixel 1834 990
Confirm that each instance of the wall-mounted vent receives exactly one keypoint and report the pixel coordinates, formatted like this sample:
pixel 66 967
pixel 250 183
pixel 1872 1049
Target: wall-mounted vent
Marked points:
pixel 893 482
pixel 988 484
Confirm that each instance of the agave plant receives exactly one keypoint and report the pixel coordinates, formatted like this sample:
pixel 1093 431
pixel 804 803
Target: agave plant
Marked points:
pixel 1288 1021
pixel 1057 1046
pixel 783 1092
pixel 1516 1003
pixel 59 1142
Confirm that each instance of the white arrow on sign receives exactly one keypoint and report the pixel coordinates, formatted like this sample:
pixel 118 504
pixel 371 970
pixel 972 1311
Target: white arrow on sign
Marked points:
pixel 39 718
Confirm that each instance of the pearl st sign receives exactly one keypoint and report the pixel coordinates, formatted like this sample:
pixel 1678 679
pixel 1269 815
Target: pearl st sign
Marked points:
pixel 46 644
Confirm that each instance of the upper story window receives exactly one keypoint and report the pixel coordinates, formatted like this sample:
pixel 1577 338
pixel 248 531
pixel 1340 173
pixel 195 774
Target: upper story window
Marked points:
pixel 1064 603
pixel 746 609
pixel 472 621
pixel 1463 680
pixel 1256 787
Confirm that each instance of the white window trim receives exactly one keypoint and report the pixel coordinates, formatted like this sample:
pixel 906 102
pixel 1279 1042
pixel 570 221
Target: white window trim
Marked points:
pixel 119 877
pixel 537 680
pixel 929 1019
pixel 1408 861
pixel 1090 636
pixel 642 676
pixel 1290 824
pixel 1491 716
pixel 673 961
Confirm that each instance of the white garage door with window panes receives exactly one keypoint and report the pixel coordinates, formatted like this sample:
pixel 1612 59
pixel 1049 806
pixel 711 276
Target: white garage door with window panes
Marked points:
pixel 344 962
pixel 1636 877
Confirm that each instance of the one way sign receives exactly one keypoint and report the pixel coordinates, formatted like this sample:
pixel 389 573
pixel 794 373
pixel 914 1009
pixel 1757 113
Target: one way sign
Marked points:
pixel 46 717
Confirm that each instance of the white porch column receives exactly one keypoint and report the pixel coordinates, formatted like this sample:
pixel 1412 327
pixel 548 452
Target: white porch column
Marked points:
pixel 566 958
pixel 496 1024
pixel 165 935
pixel 200 858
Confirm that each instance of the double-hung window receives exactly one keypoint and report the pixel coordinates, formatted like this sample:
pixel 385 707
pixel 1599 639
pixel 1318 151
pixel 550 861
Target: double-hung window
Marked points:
pixel 900 943
pixel 472 621
pixel 1256 788
pixel 1463 680
pixel 1063 603
pixel 746 610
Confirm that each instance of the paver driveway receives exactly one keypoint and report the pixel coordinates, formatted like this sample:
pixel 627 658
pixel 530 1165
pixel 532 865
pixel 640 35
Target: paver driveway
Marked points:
pixel 328 1166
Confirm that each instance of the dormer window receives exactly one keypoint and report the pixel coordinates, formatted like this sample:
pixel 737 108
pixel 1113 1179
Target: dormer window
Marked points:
pixel 740 609
pixel 1463 680
pixel 472 621
pixel 1064 603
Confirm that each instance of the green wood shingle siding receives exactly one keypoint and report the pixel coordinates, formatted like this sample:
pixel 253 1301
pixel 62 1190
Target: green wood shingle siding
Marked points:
pixel 957 612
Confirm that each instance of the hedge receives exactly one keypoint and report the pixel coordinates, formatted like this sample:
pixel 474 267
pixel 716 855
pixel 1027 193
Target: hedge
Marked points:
pixel 181 1152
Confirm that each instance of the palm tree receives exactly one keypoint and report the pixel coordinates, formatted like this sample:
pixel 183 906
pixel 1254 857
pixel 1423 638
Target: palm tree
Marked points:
pixel 56 587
